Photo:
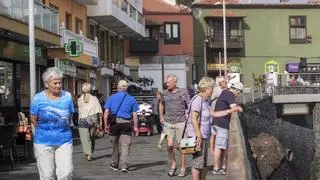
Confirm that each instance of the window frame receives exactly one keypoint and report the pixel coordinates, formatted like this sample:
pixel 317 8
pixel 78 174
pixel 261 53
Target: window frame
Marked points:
pixel 298 41
pixel 69 27
pixel 78 20
pixel 171 40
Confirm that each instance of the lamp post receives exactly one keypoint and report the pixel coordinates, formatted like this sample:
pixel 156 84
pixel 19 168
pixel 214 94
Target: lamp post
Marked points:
pixel 224 39
pixel 161 36
pixel 205 65
pixel 32 64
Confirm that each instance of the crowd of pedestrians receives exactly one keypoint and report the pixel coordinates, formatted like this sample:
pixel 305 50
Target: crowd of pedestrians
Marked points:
pixel 206 118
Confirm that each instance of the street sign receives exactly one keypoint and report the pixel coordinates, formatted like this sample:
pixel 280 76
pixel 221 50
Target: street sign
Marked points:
pixel 73 47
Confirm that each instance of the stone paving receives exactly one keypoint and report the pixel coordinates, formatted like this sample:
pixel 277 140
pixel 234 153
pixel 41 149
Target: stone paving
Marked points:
pixel 146 163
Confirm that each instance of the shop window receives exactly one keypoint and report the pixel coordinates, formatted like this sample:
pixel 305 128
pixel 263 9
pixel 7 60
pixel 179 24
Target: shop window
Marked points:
pixel 172 33
pixel 6 84
pixel 297 30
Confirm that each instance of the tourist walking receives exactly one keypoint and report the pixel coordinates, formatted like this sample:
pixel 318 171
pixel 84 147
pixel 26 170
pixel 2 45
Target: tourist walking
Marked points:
pixel 226 100
pixel 90 118
pixel 123 108
pixel 199 125
pixel 174 103
pixel 51 115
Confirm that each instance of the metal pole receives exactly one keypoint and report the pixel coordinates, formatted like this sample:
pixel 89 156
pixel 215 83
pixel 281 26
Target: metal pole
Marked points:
pixel 205 58
pixel 224 39
pixel 219 63
pixel 32 64
pixel 162 63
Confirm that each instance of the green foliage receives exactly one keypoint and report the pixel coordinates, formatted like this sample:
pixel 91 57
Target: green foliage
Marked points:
pixel 258 80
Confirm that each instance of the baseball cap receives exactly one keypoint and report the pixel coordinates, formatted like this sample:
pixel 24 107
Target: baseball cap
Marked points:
pixel 237 85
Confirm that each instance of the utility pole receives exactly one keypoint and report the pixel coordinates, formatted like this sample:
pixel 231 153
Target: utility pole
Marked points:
pixel 224 39
pixel 161 36
pixel 205 63
pixel 32 63
pixel 219 63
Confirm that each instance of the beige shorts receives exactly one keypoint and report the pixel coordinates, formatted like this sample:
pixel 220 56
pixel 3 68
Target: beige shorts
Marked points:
pixel 175 130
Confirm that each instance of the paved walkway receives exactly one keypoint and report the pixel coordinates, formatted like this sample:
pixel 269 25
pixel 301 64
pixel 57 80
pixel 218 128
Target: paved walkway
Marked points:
pixel 147 163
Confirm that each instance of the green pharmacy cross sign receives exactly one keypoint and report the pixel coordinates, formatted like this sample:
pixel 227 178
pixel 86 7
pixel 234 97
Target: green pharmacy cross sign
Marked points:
pixel 73 47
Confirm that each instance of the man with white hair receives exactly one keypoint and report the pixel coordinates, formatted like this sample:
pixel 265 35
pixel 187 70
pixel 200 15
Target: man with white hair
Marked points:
pixel 226 100
pixel 172 114
pixel 124 108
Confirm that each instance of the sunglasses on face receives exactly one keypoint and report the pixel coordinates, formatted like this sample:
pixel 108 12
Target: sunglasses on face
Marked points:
pixel 239 91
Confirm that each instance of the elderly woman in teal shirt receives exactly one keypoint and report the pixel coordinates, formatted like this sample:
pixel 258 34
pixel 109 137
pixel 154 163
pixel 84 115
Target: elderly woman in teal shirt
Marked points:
pixel 51 113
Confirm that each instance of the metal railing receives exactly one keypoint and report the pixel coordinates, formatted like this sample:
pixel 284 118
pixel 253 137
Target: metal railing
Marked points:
pixel 252 94
pixel 90 47
pixel 44 17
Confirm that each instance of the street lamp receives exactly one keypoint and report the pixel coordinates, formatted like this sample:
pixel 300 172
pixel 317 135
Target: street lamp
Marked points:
pixel 205 43
pixel 161 36
pixel 224 39
pixel 224 36
pixel 32 63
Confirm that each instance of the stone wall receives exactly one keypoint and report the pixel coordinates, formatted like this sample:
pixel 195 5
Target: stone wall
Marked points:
pixel 262 117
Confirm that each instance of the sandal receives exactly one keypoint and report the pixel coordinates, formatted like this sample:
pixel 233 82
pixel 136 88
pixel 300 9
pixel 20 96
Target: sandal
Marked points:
pixel 222 171
pixel 171 172
pixel 182 174
pixel 215 172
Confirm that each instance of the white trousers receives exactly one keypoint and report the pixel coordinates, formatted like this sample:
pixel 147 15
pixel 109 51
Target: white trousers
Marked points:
pixel 54 162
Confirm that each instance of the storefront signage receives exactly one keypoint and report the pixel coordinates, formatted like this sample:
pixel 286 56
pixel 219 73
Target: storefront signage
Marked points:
pixel 234 68
pixel 107 71
pixel 81 74
pixel 272 65
pixel 96 62
pixel 293 67
pixel 74 48
pixel 66 67
pixel 214 67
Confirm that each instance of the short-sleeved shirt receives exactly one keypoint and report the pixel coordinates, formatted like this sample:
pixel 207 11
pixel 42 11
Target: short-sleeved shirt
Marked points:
pixel 175 104
pixel 195 105
pixel 53 118
pixel 128 106
pixel 224 101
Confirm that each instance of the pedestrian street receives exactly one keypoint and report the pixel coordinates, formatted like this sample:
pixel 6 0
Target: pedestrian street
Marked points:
pixel 147 162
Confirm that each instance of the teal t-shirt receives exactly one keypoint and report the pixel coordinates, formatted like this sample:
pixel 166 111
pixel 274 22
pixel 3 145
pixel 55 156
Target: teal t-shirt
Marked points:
pixel 53 122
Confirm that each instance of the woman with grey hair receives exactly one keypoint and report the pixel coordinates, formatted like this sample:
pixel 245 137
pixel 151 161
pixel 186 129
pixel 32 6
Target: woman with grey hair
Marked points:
pixel 51 113
pixel 199 125
pixel 90 118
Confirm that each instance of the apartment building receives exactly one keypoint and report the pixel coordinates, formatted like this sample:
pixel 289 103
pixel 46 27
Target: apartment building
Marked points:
pixel 167 47
pixel 81 65
pixel 114 22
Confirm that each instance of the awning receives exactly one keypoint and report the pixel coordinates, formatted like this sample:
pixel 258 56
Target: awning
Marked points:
pixel 218 13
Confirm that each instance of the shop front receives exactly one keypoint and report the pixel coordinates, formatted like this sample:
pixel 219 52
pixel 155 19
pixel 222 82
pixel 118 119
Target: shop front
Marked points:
pixel 15 77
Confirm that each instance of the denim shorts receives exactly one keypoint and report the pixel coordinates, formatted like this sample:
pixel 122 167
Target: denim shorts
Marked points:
pixel 222 136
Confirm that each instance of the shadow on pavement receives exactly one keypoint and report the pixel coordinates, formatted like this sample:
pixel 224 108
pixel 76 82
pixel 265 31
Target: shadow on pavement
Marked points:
pixel 100 157
pixel 136 167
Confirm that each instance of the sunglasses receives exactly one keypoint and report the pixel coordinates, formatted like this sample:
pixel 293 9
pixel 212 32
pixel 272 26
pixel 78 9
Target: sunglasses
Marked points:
pixel 239 91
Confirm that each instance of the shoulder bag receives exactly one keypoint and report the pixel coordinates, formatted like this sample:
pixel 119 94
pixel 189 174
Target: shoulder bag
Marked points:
pixel 112 119
pixel 188 144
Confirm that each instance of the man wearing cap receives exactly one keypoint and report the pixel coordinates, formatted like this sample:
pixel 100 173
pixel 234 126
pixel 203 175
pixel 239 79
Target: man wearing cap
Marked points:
pixel 226 100
pixel 125 108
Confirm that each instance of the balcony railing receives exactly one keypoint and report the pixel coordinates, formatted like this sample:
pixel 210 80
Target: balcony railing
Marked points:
pixel 44 17
pixel 90 47
pixel 233 42
pixel 144 45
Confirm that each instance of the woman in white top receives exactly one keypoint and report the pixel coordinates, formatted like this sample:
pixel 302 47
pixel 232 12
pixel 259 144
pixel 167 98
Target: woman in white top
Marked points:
pixel 90 118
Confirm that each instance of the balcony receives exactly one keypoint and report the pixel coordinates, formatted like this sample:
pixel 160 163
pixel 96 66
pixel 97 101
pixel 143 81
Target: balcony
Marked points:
pixel 44 17
pixel 233 42
pixel 144 46
pixel 87 2
pixel 90 47
pixel 118 15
